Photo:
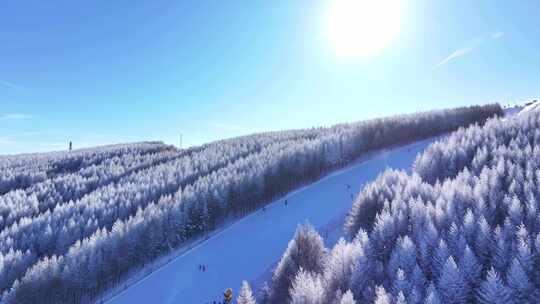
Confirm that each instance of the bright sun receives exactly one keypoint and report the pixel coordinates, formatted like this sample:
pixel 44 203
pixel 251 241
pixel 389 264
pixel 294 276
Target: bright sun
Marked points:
pixel 362 28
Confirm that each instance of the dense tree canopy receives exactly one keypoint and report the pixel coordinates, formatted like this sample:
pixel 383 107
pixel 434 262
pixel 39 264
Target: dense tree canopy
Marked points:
pixel 463 227
pixel 73 224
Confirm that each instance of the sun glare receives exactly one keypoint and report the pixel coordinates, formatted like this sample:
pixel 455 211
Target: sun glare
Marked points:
pixel 362 28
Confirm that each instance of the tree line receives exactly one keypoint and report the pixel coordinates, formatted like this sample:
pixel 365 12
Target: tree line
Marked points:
pixel 463 227
pixel 94 218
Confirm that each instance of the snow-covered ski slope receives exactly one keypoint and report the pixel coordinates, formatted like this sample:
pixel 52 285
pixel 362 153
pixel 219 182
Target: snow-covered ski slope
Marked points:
pixel 247 248
pixel 531 106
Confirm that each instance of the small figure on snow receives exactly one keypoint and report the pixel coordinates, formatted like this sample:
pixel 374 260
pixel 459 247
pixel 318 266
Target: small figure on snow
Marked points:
pixel 285 202
pixel 70 145
pixel 228 296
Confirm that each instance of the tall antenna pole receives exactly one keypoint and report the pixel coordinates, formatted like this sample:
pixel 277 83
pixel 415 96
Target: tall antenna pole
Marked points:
pixel 180 146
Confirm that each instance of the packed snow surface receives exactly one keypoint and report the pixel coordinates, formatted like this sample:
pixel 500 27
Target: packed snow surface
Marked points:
pixel 246 249
pixel 529 107
pixel 510 111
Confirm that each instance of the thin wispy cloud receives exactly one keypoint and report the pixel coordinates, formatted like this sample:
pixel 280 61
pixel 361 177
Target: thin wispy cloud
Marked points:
pixel 15 116
pixel 456 54
pixel 11 85
pixel 467 50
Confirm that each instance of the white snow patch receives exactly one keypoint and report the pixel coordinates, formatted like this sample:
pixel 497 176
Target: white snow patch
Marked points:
pixel 529 107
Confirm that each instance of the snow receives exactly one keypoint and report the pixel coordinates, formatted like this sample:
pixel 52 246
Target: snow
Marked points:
pixel 532 106
pixel 511 111
pixel 246 249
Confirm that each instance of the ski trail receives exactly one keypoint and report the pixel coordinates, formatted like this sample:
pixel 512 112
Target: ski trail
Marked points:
pixel 246 249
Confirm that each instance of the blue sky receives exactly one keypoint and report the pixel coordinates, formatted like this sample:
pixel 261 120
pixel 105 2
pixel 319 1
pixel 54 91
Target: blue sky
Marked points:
pixel 100 72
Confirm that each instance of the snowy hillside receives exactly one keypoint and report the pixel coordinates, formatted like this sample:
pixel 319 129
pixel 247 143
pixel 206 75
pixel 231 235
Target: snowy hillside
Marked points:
pixel 530 107
pixel 512 110
pixel 246 249
pixel 462 227
pixel 75 224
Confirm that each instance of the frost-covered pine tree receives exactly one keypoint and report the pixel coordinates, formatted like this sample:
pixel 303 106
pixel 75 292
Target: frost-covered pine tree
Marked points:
pixel 521 287
pixel 452 286
pixel 307 288
pixel 384 234
pixel 382 297
pixel 501 251
pixel 401 284
pixel 245 296
pixel 347 298
pixel 264 293
pixel 469 226
pixel 439 259
pixel 306 250
pixel 470 268
pixel 453 241
pixel 525 257
pixel 415 296
pixel 483 246
pixel 515 211
pixel 400 299
pixel 403 256
pixel 361 281
pixel 493 291
pixel 432 295
pixel 339 264
pixel 418 279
